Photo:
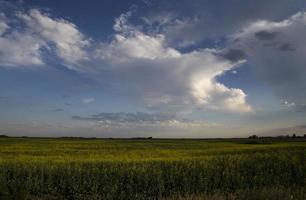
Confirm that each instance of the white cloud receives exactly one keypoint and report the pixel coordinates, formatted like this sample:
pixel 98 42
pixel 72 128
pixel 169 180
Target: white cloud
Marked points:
pixel 145 68
pixel 277 52
pixel 134 65
pixel 69 41
pixel 138 46
pixel 37 34
pixel 19 50
pixel 131 43
pixel 121 22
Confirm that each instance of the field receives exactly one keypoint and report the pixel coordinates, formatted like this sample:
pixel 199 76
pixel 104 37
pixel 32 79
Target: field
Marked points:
pixel 67 168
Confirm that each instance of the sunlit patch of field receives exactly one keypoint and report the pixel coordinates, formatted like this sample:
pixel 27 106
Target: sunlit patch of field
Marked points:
pixel 43 168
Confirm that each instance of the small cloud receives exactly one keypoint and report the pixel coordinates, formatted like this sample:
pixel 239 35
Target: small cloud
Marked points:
pixel 296 106
pixel 88 100
pixel 300 107
pixel 137 119
pixel 66 96
pixel 286 47
pixel 129 117
pixel 288 104
pixel 234 55
pixel 234 72
pixel 57 110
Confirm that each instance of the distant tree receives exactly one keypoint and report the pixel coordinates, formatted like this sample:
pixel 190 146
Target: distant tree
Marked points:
pixel 3 136
pixel 253 137
pixel 293 136
pixel 304 135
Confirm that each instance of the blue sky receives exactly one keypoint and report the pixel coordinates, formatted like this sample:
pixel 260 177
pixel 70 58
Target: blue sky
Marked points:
pixel 152 68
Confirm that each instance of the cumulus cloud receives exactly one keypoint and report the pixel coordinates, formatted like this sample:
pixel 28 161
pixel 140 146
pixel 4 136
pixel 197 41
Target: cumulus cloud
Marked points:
pixel 37 34
pixel 18 50
pixel 136 65
pixel 131 43
pixel 68 40
pixel 137 46
pixel 145 68
pixel 277 52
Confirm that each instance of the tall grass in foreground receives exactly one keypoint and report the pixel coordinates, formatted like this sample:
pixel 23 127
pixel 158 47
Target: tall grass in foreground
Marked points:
pixel 221 177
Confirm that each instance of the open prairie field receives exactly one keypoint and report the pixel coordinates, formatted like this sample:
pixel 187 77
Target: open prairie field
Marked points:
pixel 67 168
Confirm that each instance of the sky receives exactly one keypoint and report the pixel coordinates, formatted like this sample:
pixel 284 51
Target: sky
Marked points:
pixel 152 68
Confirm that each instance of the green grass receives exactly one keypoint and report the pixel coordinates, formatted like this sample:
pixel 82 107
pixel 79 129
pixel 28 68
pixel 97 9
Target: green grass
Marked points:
pixel 38 168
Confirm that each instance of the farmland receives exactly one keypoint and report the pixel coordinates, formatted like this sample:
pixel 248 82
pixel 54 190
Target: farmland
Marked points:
pixel 71 168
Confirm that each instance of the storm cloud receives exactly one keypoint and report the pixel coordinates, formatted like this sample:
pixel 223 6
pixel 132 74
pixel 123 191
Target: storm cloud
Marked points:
pixel 280 63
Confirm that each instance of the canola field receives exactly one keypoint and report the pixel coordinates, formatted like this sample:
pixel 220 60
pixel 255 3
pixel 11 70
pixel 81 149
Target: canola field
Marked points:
pixel 166 169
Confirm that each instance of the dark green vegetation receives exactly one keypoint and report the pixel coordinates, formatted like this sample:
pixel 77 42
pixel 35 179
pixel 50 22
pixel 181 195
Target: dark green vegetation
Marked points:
pixel 152 169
